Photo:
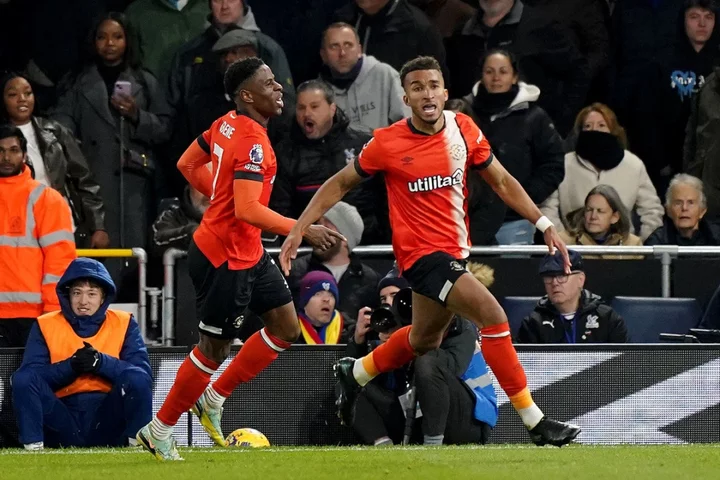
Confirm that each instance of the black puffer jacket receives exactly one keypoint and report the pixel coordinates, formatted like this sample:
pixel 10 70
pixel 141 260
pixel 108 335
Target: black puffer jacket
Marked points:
pixel 305 164
pixel 525 141
pixel 176 224
pixel 357 286
pixel 596 323
pixel 69 173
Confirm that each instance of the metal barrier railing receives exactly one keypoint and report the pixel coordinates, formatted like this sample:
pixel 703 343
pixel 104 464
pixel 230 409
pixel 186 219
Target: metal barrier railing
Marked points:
pixel 141 257
pixel 665 253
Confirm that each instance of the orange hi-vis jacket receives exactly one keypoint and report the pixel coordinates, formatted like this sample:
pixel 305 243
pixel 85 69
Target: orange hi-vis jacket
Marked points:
pixel 63 342
pixel 36 246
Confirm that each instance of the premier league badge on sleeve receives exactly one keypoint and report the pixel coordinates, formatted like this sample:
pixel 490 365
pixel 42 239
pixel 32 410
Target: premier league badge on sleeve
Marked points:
pixel 256 154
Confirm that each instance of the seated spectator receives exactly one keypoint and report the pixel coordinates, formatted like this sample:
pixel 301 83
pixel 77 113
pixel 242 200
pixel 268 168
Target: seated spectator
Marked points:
pixel 523 137
pixel 164 26
pixel 94 110
pixel 57 161
pixel 176 224
pixel 320 322
pixel 356 281
pixel 368 91
pixel 600 157
pixel 568 313
pixel 38 242
pixel 684 224
pixel 546 54
pixel 447 15
pixel 393 31
pixel 321 142
pixel 681 77
pixel 457 406
pixel 603 220
pixel 701 156
pixel 85 379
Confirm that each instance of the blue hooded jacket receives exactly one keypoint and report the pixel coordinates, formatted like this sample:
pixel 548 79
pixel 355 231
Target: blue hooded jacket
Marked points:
pixel 132 355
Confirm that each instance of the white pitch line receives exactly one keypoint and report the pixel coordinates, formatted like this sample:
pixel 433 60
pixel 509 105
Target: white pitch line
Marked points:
pixel 212 450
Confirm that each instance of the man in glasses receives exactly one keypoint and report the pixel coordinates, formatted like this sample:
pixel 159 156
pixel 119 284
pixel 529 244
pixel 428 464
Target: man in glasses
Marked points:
pixel 569 313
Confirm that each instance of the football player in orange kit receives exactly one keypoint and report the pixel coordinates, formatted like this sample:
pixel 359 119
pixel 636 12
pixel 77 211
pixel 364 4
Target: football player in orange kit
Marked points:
pixel 425 160
pixel 230 270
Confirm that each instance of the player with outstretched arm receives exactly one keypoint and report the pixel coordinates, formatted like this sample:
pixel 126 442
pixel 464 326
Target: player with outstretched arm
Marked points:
pixel 230 270
pixel 425 160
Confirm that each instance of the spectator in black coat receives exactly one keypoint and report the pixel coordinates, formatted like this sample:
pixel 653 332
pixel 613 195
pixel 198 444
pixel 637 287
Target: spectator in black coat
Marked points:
pixel 684 223
pixel 569 313
pixel 320 144
pixel 547 56
pixel 176 224
pixel 356 281
pixel 521 134
pixel 680 78
pixel 393 31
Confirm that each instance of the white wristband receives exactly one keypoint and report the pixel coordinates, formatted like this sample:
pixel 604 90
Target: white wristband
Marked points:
pixel 543 223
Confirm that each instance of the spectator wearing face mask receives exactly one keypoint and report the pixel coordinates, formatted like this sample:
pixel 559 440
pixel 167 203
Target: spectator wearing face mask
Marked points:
pixel 599 158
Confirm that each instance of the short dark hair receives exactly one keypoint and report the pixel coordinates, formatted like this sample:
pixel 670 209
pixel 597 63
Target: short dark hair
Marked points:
pixel 419 63
pixel 316 84
pixel 711 5
pixel 335 26
pixel 81 282
pixel 505 53
pixel 9 131
pixel 239 72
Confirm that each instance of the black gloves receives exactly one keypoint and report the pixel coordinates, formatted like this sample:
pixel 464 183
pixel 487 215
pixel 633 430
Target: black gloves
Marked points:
pixel 85 360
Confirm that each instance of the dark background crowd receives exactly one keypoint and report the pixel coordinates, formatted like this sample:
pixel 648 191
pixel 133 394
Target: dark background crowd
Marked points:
pixel 607 112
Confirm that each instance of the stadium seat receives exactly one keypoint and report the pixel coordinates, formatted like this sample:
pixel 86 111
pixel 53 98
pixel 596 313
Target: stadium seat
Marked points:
pixel 647 317
pixel 517 308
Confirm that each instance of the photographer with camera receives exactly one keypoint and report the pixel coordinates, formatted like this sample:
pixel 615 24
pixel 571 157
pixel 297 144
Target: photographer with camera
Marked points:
pixel 456 402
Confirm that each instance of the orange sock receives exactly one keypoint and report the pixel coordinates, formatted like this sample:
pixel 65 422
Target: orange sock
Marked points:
pixel 501 357
pixel 260 350
pixel 389 356
pixel 190 382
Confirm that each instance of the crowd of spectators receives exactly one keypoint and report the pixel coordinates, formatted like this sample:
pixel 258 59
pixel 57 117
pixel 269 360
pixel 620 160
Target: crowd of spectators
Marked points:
pixel 598 108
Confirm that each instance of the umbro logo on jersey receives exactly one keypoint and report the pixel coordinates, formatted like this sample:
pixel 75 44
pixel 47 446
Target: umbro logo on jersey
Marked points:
pixel 435 182
pixel 407 160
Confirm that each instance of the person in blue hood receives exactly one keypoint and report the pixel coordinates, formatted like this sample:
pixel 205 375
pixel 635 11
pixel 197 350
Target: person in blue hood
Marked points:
pixel 85 379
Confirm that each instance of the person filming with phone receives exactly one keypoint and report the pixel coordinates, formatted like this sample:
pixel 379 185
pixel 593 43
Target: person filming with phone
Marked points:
pixel 118 112
pixel 456 401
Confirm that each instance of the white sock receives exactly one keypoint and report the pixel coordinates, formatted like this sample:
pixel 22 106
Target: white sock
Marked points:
pixel 362 377
pixel 214 399
pixel 159 430
pixel 531 416
pixel 132 441
pixel 34 446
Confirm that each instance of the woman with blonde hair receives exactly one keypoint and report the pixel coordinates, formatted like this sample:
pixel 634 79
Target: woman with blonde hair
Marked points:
pixel 603 220
pixel 601 157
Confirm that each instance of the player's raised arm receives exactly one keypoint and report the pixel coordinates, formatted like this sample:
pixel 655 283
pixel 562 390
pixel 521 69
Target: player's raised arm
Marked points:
pixel 192 166
pixel 331 192
pixel 515 197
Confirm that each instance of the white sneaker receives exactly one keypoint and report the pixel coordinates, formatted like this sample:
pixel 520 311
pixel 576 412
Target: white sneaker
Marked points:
pixel 34 447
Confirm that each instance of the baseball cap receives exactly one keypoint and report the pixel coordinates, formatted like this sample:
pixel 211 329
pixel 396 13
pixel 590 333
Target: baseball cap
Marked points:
pixel 554 265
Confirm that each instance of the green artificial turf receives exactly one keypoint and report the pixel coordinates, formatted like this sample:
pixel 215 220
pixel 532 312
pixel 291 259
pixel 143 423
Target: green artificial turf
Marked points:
pixel 494 462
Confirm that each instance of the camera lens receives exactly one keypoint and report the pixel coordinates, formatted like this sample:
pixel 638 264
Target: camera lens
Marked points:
pixel 382 319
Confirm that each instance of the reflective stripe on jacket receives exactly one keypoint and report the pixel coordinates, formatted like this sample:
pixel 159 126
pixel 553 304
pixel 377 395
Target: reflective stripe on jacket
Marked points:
pixel 36 246
pixel 63 342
